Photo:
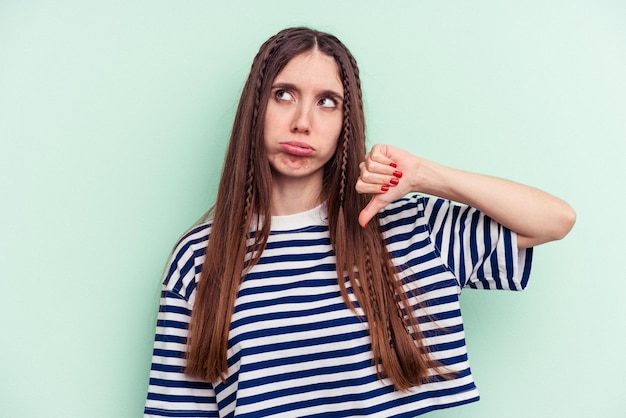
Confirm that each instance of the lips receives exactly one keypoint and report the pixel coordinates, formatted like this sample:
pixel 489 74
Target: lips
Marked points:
pixel 301 149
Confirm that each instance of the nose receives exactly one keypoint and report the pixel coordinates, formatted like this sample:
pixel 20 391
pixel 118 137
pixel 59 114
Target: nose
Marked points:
pixel 302 120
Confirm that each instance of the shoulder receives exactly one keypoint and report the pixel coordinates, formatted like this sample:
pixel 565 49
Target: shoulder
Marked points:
pixel 407 209
pixel 418 208
pixel 418 213
pixel 193 239
pixel 185 263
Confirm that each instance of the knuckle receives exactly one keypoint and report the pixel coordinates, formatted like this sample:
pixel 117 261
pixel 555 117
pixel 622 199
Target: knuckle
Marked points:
pixel 366 176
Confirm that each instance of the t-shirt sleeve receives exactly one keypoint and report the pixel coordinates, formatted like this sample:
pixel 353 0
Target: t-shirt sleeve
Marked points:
pixel 171 393
pixel 481 253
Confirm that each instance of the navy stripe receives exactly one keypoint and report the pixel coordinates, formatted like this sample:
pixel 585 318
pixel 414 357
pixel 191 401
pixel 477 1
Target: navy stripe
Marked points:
pixel 527 266
pixel 412 247
pixel 174 308
pixel 399 208
pixel 168 368
pixel 279 287
pixel 181 414
pixel 292 329
pixel 303 256
pixel 180 384
pixel 180 398
pixel 442 331
pixel 271 316
pixel 486 244
pixel 168 353
pixel 473 244
pixel 292 272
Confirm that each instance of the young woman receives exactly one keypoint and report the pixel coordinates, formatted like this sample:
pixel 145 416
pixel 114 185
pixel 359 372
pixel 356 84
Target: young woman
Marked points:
pixel 326 281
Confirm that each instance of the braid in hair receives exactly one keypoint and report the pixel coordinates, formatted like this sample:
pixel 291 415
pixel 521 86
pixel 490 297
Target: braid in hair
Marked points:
pixel 375 317
pixel 347 135
pixel 342 240
pixel 250 195
pixel 355 69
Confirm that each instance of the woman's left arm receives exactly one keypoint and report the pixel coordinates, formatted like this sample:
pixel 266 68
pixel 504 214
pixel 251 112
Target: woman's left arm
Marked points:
pixel 536 216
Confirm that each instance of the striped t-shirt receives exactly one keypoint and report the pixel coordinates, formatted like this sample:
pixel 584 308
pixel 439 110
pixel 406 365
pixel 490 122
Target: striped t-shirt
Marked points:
pixel 297 350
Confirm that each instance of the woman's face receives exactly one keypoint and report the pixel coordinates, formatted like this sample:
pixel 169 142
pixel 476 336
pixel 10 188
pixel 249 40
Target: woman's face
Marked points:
pixel 304 118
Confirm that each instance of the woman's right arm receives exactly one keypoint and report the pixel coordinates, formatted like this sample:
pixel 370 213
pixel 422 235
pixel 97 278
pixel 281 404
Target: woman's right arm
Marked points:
pixel 535 216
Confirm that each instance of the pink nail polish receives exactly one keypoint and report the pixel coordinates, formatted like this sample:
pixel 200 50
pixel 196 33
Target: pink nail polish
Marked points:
pixel 384 187
pixel 394 181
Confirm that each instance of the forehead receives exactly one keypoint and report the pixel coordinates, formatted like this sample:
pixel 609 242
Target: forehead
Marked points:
pixel 314 69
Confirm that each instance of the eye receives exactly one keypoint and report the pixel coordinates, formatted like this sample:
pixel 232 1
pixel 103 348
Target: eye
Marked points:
pixel 283 95
pixel 327 102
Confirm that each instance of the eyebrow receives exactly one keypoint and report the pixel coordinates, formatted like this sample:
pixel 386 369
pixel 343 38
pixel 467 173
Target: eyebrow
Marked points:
pixel 325 92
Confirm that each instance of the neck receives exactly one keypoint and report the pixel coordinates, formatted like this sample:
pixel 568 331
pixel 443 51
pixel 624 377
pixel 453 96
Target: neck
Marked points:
pixel 293 195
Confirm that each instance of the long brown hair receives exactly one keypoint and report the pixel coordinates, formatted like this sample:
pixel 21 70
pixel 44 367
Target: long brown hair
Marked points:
pixel 361 254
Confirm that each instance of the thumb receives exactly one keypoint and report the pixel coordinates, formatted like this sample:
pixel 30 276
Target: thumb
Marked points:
pixel 369 211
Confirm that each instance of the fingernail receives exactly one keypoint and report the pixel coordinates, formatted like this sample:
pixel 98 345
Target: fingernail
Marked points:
pixel 384 187
pixel 394 165
pixel 398 174
pixel 394 181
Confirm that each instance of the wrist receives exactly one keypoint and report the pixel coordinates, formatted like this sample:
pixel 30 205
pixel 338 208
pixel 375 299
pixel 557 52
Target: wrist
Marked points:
pixel 431 178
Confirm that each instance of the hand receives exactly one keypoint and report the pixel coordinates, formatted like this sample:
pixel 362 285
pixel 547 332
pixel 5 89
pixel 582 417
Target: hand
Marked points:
pixel 384 176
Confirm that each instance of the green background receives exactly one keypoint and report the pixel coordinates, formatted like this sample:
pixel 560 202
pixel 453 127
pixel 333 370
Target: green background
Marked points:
pixel 114 117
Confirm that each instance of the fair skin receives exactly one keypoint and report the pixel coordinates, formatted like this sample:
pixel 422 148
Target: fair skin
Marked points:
pixel 301 129
pixel 537 217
